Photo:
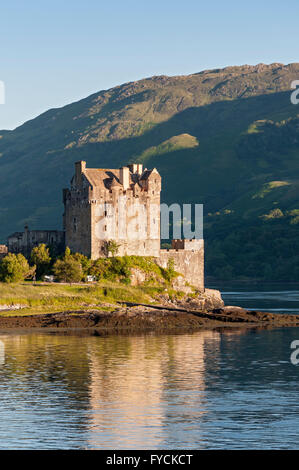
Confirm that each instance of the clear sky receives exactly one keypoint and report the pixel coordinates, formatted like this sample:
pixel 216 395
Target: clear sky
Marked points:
pixel 57 51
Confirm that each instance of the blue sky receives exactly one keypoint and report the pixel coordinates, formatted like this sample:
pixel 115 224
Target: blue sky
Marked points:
pixel 55 52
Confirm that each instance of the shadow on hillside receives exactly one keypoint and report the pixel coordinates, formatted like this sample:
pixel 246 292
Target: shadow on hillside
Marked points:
pixel 35 166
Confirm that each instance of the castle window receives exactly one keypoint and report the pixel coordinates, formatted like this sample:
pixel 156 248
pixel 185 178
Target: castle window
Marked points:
pixel 75 224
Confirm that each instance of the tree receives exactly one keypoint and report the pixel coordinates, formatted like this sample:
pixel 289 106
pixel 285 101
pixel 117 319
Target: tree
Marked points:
pixel 100 268
pixel 85 262
pixel 67 252
pixel 112 247
pixel 15 268
pixel 68 270
pixel 40 256
pixel 170 273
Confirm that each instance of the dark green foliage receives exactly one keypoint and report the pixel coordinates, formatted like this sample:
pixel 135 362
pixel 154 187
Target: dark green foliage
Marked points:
pixel 40 257
pixel 112 247
pixel 68 270
pixel 14 268
pixel 269 140
pixel 120 268
pixel 110 268
pixel 85 262
pixel 99 268
pixel 263 250
pixel 169 273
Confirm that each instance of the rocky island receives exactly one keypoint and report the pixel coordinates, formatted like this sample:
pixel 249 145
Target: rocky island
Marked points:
pixel 166 313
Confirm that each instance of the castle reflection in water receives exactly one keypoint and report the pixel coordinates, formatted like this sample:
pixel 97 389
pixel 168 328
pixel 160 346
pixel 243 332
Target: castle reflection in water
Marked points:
pixel 107 392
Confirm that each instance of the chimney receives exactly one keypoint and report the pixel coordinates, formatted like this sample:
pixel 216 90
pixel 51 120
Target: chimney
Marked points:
pixel 136 168
pixel 124 177
pixel 133 168
pixel 80 168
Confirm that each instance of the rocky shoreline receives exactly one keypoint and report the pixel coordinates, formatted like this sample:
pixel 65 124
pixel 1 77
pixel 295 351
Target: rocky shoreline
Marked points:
pixel 141 318
pixel 173 314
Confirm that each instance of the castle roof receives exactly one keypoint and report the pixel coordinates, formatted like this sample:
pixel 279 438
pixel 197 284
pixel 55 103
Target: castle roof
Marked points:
pixel 102 178
pixel 115 183
pixel 111 178
pixel 20 234
pixel 146 174
pixel 16 235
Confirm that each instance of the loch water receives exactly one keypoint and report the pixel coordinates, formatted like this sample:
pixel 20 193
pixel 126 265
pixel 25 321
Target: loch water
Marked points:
pixel 232 388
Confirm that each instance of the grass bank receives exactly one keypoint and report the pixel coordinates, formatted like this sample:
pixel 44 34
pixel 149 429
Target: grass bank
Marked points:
pixel 40 298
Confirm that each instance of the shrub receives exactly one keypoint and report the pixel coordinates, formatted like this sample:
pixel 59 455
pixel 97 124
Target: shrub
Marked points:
pixel 169 273
pixel 85 262
pixel 112 247
pixel 116 268
pixel 68 270
pixel 100 268
pixel 40 257
pixel 15 268
pixel 273 214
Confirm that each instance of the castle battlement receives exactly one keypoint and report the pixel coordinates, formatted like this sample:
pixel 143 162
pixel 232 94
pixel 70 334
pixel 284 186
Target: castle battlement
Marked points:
pixel 185 244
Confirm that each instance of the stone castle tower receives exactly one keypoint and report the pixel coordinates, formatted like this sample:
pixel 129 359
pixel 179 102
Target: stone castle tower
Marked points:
pixel 118 204
pixel 123 205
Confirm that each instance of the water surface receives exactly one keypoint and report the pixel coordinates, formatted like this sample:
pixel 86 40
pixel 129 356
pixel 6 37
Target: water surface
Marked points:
pixel 230 388
pixel 270 297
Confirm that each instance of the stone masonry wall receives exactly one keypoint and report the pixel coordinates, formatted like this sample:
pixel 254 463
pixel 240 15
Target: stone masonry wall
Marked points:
pixel 143 246
pixel 189 263
pixel 3 251
pixel 78 227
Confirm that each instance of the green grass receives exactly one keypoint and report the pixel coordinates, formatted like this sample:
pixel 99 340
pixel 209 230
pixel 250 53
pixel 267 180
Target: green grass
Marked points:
pixel 268 187
pixel 175 143
pixel 47 298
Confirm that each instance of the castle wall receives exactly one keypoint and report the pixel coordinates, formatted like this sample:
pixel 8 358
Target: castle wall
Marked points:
pixel 24 242
pixel 189 263
pixel 3 251
pixel 77 222
pixel 123 225
pixel 185 244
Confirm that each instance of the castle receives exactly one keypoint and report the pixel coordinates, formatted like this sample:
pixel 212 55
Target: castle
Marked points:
pixel 101 205
pixel 120 205
pixel 123 205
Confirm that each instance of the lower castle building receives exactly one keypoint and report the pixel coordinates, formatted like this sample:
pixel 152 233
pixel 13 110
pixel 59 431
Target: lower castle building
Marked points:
pixel 24 242
pixel 3 251
pixel 188 257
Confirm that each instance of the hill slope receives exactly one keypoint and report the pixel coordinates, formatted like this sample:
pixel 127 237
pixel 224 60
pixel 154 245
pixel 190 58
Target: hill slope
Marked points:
pixel 228 138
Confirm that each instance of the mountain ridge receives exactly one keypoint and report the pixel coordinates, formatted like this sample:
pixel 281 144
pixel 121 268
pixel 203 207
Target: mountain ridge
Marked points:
pixel 240 116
